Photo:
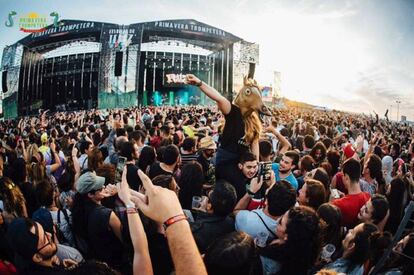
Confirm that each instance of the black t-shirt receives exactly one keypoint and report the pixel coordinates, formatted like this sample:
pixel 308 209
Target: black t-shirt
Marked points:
pixel 156 170
pixel 233 132
pixel 160 254
pixel 208 227
pixel 132 177
pixel 232 174
pixel 102 241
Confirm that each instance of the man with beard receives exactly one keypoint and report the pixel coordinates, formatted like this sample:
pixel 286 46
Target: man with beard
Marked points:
pixel 242 174
pixel 35 251
pixel 207 149
pixel 283 170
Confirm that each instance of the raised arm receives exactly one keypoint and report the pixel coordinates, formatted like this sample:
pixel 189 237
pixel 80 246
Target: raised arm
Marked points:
pixel 254 187
pixel 284 143
pixel 57 163
pixel 142 260
pixel 75 162
pixel 223 103
pixel 163 206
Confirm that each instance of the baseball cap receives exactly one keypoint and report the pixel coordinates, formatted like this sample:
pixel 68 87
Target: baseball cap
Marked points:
pixel 349 151
pixel 207 143
pixel 43 137
pixel 23 242
pixel 88 182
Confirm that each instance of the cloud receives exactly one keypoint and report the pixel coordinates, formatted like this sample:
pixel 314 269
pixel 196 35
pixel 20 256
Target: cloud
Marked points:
pixel 371 93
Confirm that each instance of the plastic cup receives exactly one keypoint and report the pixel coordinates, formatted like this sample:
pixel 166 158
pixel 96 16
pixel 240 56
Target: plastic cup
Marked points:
pixel 327 252
pixel 196 203
pixel 261 239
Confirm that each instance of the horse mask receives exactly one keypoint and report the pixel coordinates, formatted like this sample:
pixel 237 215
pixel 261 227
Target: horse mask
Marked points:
pixel 249 100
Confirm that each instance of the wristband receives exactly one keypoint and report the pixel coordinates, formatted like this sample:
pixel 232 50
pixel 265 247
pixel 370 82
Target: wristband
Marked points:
pixel 173 220
pixel 199 83
pixel 131 210
pixel 250 193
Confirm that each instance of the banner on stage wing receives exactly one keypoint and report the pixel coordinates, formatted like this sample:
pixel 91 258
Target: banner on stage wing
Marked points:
pixel 267 94
pixel 120 39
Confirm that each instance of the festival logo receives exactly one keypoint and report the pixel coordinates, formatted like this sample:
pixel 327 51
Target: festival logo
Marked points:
pixel 33 22
pixel 120 39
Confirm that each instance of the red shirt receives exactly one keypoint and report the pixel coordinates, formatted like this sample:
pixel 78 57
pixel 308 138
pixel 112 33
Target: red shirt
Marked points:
pixel 350 206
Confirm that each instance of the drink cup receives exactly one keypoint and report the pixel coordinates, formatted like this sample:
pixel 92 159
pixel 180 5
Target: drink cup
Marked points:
pixel 196 203
pixel 327 252
pixel 261 239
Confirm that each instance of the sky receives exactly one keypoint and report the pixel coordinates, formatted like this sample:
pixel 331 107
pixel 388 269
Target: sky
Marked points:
pixel 353 55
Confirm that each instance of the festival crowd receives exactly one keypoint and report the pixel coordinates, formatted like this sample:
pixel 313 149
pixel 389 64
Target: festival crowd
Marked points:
pixel 179 190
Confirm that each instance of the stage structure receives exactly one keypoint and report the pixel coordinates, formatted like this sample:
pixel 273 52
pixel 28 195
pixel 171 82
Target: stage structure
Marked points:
pixel 86 64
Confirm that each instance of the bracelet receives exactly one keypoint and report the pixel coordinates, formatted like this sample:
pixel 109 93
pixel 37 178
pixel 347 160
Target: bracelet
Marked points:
pixel 131 210
pixel 173 220
pixel 199 83
pixel 250 193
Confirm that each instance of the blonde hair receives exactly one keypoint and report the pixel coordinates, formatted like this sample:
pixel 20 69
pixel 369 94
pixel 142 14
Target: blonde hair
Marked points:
pixel 252 123
pixel 327 272
pixel 13 199
pixel 252 128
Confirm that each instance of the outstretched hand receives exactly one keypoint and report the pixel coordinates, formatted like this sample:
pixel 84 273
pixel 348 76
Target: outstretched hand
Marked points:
pixel 192 79
pixel 162 203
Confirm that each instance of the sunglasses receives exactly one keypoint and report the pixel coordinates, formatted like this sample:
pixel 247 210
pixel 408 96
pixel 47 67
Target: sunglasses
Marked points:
pixel 45 238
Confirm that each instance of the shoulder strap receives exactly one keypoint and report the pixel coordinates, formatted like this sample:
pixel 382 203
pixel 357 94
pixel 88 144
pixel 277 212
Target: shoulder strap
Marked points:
pixel 58 216
pixel 83 163
pixel 65 214
pixel 268 229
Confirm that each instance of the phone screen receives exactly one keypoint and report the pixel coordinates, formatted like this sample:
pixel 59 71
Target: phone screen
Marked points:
pixel 265 169
pixel 120 168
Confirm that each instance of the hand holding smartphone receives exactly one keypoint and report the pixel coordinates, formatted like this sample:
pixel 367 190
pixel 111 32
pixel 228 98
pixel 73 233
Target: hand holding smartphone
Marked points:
pixel 120 168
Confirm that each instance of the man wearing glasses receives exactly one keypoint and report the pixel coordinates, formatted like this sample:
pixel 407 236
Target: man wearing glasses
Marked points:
pixel 35 251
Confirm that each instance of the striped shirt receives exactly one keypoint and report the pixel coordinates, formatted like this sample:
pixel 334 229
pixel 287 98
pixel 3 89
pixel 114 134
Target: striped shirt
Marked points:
pixel 187 158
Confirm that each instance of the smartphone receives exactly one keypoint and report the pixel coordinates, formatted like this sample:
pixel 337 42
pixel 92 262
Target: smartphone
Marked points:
pixel 335 194
pixel 265 168
pixel 120 168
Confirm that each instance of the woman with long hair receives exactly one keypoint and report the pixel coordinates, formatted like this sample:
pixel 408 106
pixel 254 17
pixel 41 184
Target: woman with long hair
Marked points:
pixel 14 203
pixel 318 153
pixel 398 197
pixel 95 159
pixel 234 253
pixel 298 244
pixel 375 211
pixel 39 171
pixel 146 158
pixel 334 158
pixel 333 232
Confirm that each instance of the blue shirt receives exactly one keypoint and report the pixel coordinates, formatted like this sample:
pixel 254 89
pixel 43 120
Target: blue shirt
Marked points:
pixel 343 266
pixel 291 178
pixel 250 223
